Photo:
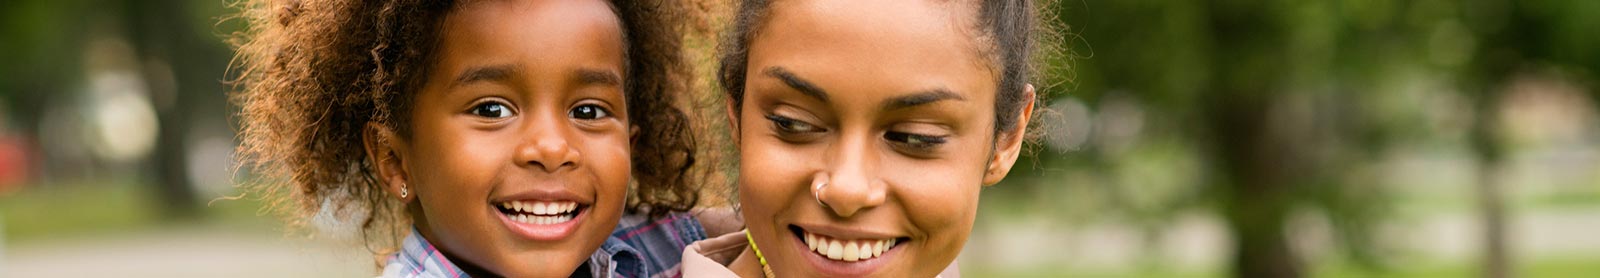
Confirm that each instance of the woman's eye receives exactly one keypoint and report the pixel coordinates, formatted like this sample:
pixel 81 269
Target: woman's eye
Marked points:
pixel 788 125
pixel 917 141
pixel 588 112
pixel 491 110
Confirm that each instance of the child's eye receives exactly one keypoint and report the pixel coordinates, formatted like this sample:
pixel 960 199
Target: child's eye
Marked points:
pixel 588 112
pixel 914 141
pixel 791 126
pixel 494 110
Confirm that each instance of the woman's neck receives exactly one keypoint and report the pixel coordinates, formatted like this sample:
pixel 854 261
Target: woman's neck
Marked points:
pixel 746 264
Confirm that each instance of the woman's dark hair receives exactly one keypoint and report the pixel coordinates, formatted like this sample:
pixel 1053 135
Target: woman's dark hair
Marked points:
pixel 1010 32
pixel 313 73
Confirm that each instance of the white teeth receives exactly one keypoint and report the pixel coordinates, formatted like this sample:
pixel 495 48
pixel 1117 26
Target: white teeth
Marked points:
pixel 541 220
pixel 822 247
pixel 834 250
pixel 850 251
pixel 540 208
pixel 811 242
pixel 877 248
pixel 847 250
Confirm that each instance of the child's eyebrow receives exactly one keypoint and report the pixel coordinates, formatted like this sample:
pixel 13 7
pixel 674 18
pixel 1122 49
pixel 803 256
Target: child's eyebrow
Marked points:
pixel 592 76
pixel 805 87
pixel 488 73
pixel 583 76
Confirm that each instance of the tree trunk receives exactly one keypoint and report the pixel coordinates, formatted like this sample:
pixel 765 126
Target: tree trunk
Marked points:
pixel 160 32
pixel 1254 167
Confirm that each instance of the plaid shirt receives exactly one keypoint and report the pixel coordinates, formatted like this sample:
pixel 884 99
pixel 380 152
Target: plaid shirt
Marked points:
pixel 639 247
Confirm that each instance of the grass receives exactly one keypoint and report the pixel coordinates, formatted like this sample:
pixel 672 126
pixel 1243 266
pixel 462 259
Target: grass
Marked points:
pixel 86 210
pixel 1537 267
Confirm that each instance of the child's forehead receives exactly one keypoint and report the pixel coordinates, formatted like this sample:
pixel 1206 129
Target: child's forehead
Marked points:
pixel 552 18
pixel 531 34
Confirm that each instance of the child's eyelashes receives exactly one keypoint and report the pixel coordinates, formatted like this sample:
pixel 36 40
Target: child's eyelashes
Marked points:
pixel 589 112
pixel 491 109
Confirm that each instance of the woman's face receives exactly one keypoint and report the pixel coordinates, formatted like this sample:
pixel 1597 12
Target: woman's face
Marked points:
pixel 888 104
pixel 519 154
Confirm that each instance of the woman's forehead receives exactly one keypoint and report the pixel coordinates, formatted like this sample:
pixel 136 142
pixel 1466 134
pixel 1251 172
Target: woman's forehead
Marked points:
pixel 873 46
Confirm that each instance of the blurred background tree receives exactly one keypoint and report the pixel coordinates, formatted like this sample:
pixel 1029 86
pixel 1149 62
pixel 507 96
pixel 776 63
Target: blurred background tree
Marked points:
pixel 1291 106
pixel 119 90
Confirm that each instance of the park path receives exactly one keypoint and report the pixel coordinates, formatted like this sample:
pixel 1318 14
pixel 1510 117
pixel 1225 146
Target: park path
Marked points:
pixel 185 251
pixel 216 250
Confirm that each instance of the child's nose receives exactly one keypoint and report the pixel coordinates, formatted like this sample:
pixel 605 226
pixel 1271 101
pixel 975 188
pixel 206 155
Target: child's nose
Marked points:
pixel 548 149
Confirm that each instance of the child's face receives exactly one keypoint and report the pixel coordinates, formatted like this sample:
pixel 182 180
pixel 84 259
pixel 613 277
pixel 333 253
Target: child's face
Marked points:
pixel 891 105
pixel 523 108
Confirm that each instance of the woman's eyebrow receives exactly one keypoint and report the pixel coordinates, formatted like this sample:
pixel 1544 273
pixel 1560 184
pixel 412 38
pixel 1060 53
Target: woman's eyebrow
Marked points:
pixel 805 87
pixel 920 98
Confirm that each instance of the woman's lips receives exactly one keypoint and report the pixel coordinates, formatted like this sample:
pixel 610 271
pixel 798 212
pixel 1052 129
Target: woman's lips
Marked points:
pixel 836 255
pixel 541 220
pixel 847 250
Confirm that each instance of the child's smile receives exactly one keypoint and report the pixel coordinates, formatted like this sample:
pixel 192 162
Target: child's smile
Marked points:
pixel 543 215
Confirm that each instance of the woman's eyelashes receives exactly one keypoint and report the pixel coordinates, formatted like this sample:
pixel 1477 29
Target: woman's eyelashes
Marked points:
pixel 787 125
pixel 799 131
pixel 913 141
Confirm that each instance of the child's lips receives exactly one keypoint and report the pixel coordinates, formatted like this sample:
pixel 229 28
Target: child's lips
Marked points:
pixel 542 220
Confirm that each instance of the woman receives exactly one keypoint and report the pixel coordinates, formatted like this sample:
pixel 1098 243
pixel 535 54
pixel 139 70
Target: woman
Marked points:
pixel 866 130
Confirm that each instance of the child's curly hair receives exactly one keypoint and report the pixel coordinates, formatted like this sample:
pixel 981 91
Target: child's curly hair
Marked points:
pixel 312 73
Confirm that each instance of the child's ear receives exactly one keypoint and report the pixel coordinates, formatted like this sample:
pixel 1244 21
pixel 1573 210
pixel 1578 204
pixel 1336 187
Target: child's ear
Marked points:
pixel 633 134
pixel 1008 145
pixel 733 119
pixel 383 148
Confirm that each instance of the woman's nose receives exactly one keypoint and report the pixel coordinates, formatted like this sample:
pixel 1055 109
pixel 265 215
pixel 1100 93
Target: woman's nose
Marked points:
pixel 851 184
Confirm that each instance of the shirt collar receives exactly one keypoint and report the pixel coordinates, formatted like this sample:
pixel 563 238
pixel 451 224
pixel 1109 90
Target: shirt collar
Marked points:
pixel 418 258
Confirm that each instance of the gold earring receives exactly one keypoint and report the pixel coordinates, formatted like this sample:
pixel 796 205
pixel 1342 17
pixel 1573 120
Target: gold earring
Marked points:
pixel 403 191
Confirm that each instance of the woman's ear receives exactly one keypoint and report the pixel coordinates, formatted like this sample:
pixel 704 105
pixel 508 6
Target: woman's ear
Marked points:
pixel 1008 145
pixel 383 148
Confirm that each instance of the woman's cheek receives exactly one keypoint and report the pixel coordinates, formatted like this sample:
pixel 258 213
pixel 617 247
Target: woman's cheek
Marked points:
pixel 769 173
pixel 939 202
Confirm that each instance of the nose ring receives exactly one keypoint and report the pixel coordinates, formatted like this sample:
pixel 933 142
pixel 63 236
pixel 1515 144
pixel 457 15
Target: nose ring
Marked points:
pixel 816 193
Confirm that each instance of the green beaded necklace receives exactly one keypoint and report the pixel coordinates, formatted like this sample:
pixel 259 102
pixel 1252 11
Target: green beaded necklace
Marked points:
pixel 765 269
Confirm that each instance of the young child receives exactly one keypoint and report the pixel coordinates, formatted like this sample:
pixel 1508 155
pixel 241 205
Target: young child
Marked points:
pixel 866 130
pixel 499 138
